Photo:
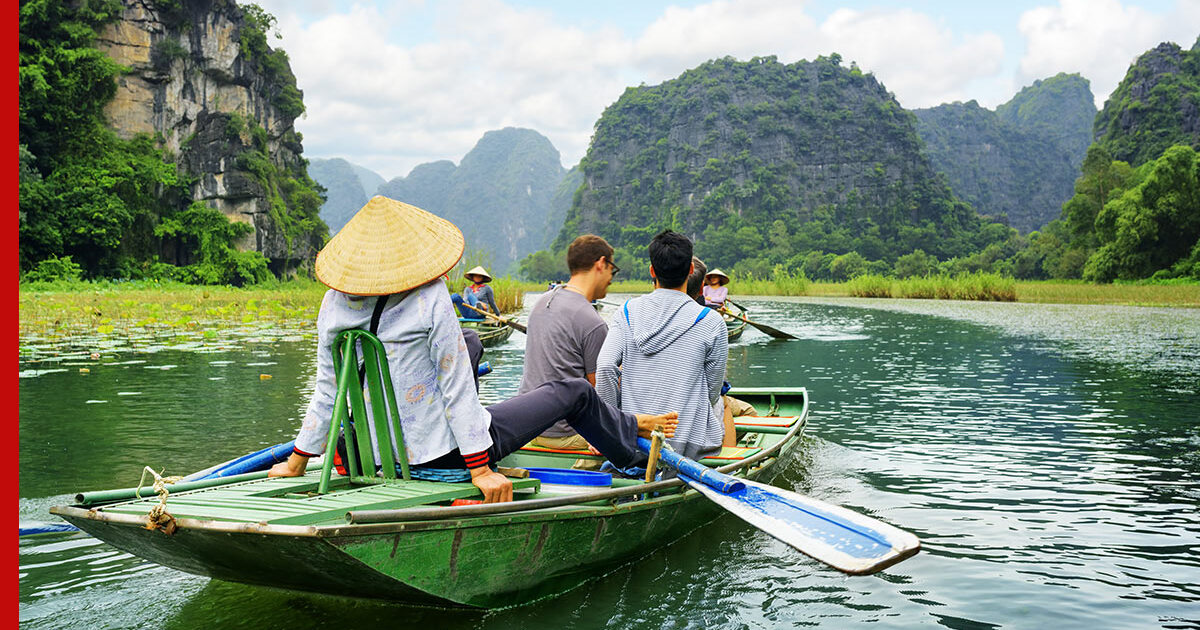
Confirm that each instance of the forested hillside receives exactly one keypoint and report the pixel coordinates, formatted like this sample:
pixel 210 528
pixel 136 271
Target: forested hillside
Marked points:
pixel 767 164
pixel 1020 161
pixel 157 141
pixel 1136 209
pixel 501 195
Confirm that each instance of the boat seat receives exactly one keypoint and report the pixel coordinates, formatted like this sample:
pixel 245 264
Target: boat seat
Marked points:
pixel 764 421
pixel 350 403
pixel 727 454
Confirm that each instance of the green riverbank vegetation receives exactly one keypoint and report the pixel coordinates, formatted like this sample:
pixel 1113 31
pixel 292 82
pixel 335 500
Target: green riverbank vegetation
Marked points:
pixel 107 306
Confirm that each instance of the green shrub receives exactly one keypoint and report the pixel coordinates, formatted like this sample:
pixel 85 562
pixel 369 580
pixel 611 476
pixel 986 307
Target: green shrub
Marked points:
pixel 54 269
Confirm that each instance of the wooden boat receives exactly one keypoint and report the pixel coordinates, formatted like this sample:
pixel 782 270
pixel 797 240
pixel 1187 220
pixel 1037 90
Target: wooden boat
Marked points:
pixel 736 326
pixel 491 333
pixel 401 539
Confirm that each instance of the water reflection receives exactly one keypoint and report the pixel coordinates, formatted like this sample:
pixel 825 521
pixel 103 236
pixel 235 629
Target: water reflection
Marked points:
pixel 1050 469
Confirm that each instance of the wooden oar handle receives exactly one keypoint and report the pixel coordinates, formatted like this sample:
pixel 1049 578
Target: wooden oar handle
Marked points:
pixel 484 313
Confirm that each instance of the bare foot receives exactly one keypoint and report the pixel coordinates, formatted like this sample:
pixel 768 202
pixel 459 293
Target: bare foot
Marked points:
pixel 666 422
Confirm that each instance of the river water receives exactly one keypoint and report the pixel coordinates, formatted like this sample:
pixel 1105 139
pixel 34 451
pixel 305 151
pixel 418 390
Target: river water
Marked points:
pixel 1047 456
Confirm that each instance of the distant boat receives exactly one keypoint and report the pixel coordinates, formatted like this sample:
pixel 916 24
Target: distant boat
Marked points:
pixel 736 326
pixel 490 333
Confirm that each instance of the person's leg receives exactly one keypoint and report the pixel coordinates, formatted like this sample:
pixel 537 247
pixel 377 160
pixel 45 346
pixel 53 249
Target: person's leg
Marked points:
pixel 518 420
pixel 475 350
pixel 571 443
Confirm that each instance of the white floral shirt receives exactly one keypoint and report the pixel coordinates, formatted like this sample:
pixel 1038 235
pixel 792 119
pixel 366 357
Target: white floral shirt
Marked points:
pixel 431 372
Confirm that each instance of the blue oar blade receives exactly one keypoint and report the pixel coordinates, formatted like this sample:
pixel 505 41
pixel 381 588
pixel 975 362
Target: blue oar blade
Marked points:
pixel 843 539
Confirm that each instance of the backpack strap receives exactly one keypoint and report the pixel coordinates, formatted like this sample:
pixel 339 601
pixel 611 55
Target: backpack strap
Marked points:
pixel 704 311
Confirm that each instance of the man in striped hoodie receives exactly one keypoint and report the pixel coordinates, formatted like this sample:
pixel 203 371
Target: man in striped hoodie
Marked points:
pixel 666 352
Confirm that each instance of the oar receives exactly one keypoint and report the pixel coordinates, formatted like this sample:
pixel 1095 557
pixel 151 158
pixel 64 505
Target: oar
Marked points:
pixel 774 332
pixel 843 539
pixel 507 322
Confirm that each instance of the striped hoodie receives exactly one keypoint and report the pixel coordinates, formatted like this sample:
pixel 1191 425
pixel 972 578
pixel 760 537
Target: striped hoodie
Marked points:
pixel 665 353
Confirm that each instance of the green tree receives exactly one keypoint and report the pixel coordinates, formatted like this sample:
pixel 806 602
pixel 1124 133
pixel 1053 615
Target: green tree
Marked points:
pixel 847 266
pixel 1152 225
pixel 917 263
pixel 544 266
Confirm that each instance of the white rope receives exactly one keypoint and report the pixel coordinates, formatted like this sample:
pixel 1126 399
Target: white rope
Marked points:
pixel 158 518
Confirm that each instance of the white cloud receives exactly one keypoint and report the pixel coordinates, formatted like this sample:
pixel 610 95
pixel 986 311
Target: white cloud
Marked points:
pixel 1099 39
pixel 395 84
pixel 917 58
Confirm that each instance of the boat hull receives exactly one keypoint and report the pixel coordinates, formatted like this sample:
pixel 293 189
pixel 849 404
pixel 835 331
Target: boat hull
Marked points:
pixel 484 562
pixel 490 334
pixel 480 561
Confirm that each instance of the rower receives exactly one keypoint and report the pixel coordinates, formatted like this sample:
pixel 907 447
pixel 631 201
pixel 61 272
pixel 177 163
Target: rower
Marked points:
pixel 715 291
pixel 478 294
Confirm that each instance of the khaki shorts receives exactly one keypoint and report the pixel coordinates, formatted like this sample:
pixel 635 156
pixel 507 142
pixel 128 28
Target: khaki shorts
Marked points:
pixel 570 442
pixel 740 407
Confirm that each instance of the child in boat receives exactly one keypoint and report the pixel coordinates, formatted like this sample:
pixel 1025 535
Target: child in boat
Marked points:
pixel 384 271
pixel 715 291
pixel 665 351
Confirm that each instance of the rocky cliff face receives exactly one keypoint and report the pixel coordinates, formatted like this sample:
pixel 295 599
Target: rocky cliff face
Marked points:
pixel 203 81
pixel 1156 105
pixel 1060 109
pixel 500 195
pixel 1019 161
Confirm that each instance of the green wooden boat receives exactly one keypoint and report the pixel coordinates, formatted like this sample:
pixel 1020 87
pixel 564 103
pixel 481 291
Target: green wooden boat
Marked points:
pixel 389 536
pixel 277 532
pixel 736 326
pixel 490 333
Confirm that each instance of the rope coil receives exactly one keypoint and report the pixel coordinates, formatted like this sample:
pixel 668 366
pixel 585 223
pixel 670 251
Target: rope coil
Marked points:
pixel 158 518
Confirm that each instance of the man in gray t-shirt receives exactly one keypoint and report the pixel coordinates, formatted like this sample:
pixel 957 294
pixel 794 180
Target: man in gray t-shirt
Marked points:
pixel 566 332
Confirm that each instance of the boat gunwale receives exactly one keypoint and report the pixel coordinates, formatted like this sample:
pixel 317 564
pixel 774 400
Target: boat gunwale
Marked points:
pixel 473 515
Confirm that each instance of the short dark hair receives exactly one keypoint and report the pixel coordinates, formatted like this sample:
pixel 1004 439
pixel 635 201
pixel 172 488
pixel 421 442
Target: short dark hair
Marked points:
pixel 585 250
pixel 671 257
pixel 696 280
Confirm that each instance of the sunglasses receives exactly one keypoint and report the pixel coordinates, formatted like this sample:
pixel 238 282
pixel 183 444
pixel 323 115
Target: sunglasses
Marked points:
pixel 615 268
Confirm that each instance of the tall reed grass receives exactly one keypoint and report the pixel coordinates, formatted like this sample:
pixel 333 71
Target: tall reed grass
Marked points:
pixel 986 287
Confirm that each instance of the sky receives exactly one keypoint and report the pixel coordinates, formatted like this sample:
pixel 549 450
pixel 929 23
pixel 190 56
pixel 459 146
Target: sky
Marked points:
pixel 390 85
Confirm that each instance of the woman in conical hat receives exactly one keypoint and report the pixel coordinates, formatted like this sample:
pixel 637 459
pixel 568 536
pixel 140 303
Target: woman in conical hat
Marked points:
pixel 478 293
pixel 715 291
pixel 384 270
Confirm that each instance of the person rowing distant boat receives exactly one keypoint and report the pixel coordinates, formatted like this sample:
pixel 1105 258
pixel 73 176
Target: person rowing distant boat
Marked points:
pixel 715 291
pixel 728 406
pixel 384 270
pixel 476 295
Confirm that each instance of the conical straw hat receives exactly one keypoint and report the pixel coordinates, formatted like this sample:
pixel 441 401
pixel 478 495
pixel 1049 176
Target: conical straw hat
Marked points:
pixel 389 247
pixel 479 271
pixel 720 274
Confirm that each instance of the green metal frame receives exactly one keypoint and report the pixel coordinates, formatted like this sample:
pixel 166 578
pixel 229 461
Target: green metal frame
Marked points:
pixel 350 402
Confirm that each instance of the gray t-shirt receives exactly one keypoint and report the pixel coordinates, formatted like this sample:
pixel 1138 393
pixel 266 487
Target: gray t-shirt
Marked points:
pixel 565 336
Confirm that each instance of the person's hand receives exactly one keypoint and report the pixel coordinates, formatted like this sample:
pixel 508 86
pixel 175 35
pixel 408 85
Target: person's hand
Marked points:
pixel 593 450
pixel 292 467
pixel 496 488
